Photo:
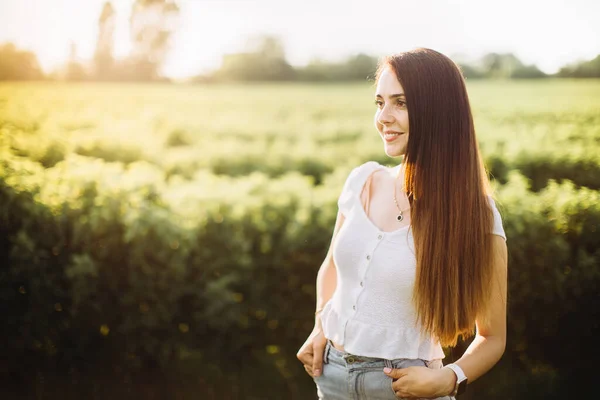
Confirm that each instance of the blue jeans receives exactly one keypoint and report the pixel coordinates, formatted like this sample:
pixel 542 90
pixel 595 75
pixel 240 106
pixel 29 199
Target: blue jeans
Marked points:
pixel 346 376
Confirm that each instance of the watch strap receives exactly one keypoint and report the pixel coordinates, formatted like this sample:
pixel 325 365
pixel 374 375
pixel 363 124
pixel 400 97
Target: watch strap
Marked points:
pixel 461 379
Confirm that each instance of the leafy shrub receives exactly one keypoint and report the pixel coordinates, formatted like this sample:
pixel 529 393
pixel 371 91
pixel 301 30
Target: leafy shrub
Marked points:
pixel 540 168
pixel 138 278
pixel 111 152
pixel 177 138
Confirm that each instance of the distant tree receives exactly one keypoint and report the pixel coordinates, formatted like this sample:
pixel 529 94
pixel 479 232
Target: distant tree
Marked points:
pixel 507 65
pixel 18 64
pixel 265 61
pixel 317 70
pixel 75 71
pixel 267 45
pixel 528 72
pixel 497 65
pixel 359 67
pixel 152 23
pixel 103 57
pixel 470 71
pixel 584 69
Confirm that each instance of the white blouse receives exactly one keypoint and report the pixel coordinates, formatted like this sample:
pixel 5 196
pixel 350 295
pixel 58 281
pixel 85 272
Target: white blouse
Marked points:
pixel 371 312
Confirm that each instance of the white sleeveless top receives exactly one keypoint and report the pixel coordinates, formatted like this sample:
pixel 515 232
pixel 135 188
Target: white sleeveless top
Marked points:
pixel 371 312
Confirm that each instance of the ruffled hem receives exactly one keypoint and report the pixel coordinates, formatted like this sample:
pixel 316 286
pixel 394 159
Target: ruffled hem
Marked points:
pixel 370 340
pixel 330 322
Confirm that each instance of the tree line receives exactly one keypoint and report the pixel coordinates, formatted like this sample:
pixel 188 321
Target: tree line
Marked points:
pixel 266 62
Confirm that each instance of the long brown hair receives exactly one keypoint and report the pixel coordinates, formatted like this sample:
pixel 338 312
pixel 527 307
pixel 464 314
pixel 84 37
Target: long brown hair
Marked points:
pixel 446 183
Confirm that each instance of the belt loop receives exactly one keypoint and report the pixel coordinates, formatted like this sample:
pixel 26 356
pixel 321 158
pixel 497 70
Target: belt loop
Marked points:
pixel 326 355
pixel 388 363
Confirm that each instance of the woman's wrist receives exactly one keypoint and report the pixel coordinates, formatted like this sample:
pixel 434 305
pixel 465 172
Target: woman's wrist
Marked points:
pixel 447 381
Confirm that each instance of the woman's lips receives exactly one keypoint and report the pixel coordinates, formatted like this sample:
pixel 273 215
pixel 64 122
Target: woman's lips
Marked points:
pixel 390 136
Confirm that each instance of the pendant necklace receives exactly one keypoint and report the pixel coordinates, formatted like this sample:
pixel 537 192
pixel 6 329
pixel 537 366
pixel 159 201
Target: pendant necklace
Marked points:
pixel 399 217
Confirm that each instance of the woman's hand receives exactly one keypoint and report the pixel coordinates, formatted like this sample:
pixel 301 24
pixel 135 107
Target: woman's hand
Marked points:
pixel 311 352
pixel 421 382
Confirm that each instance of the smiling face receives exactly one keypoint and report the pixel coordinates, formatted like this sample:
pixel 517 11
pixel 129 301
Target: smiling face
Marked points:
pixel 391 118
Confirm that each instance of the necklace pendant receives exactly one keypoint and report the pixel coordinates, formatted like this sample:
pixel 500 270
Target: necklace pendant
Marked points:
pixel 399 217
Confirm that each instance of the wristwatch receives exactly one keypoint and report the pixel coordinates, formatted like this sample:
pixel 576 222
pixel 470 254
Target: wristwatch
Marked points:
pixel 461 379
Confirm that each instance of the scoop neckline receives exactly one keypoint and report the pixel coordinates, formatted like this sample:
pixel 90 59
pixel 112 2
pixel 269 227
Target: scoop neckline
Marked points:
pixel 364 213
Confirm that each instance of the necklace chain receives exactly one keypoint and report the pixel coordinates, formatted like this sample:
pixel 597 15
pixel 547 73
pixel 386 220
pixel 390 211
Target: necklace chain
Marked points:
pixel 399 217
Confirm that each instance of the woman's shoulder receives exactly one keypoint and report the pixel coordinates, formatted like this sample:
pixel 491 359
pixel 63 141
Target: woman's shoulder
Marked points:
pixel 365 168
pixel 369 165
pixel 359 174
pixel 492 201
pixel 498 228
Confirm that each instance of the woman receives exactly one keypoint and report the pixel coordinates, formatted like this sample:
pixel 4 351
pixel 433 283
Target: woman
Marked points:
pixel 418 256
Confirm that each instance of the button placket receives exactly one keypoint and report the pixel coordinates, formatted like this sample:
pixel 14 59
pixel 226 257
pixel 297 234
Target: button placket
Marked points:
pixel 369 251
pixel 368 257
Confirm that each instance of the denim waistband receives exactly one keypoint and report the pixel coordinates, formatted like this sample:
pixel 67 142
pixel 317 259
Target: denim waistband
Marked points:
pixel 343 358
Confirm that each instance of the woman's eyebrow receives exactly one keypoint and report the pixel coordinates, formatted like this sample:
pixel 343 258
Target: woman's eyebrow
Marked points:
pixel 393 96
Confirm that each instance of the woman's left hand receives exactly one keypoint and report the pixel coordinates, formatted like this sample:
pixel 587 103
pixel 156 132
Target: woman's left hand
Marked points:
pixel 421 382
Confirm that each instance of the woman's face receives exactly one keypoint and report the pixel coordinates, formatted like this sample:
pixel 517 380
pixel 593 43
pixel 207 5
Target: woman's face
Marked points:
pixel 391 118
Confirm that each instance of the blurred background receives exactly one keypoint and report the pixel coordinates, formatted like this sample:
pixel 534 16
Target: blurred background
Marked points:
pixel 169 172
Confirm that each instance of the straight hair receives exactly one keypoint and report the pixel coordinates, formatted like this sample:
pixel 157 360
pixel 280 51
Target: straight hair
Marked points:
pixel 447 186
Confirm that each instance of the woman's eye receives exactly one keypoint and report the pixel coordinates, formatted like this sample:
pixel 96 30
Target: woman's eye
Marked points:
pixel 401 103
pixel 379 103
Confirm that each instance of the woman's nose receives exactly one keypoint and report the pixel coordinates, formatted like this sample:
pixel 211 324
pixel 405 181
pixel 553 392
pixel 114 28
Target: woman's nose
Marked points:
pixel 384 117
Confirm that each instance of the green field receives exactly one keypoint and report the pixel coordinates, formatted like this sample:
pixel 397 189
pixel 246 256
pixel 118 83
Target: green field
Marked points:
pixel 169 228
pixel 276 129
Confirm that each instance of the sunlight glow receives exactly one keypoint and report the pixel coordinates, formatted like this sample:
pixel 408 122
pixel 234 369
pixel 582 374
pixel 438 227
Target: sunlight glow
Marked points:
pixel 328 29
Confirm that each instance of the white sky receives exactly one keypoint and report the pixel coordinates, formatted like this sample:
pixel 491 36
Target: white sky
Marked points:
pixel 549 33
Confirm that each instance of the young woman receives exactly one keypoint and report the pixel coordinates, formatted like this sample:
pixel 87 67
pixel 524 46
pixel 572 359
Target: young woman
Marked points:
pixel 418 256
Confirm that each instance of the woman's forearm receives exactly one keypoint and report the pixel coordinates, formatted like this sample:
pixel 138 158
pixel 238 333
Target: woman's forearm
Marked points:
pixel 481 355
pixel 490 341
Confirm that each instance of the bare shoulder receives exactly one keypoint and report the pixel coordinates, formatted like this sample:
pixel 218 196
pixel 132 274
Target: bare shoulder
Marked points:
pixel 380 176
pixel 385 175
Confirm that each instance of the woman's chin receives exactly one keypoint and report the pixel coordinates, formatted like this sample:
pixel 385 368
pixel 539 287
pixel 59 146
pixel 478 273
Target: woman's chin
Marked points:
pixel 394 151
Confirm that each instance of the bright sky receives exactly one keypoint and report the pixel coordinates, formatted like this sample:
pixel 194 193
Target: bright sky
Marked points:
pixel 549 33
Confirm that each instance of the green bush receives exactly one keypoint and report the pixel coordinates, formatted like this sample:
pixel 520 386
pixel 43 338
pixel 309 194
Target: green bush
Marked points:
pixel 554 278
pixel 541 167
pixel 131 279
pixel 178 138
pixel 110 151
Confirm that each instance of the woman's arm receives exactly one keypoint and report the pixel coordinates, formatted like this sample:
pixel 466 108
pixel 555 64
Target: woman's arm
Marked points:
pixel 311 352
pixel 490 339
pixel 327 275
